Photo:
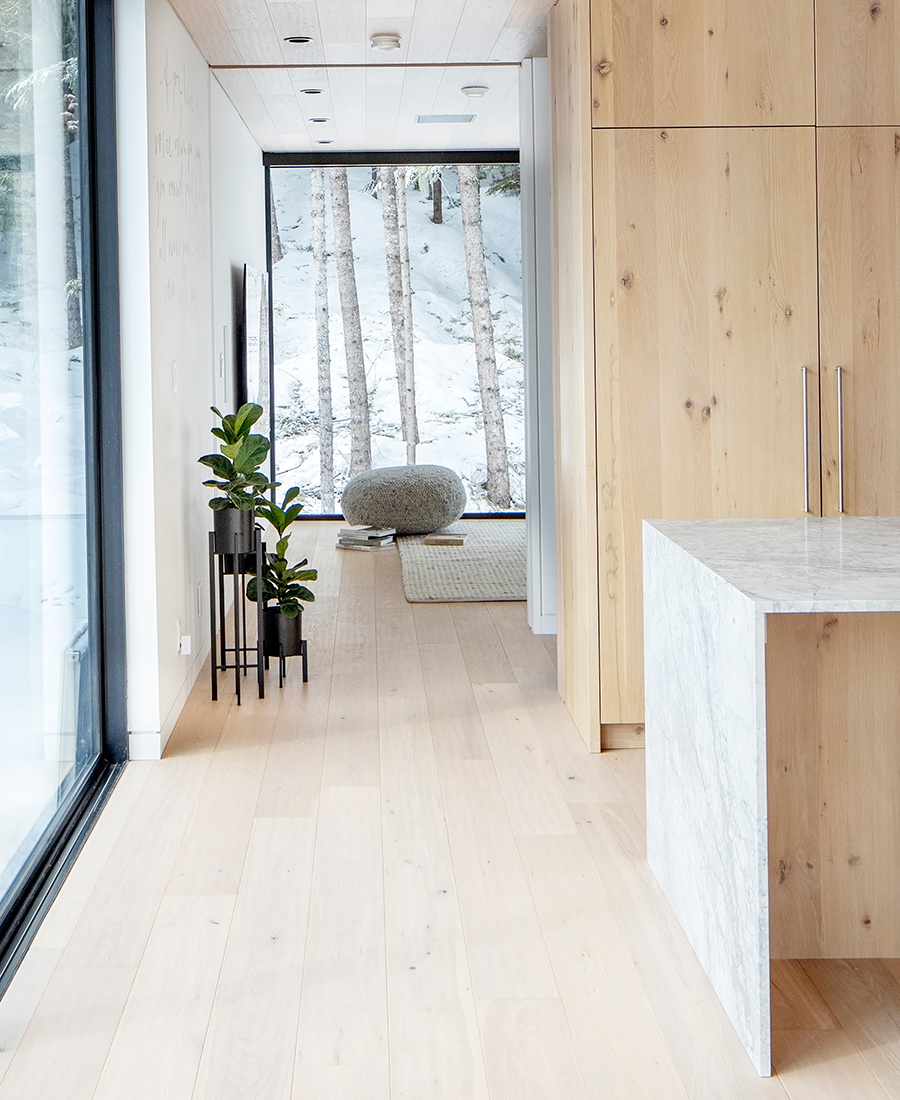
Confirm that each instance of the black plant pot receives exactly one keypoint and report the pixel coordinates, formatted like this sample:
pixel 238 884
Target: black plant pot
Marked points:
pixel 282 637
pixel 228 522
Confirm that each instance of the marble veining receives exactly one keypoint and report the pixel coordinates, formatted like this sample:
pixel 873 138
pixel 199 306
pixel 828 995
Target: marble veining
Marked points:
pixel 801 565
pixel 706 804
pixel 708 587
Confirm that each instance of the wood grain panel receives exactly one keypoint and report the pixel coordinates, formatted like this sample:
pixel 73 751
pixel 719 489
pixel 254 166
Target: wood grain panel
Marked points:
pixel 573 365
pixel 702 63
pixel 833 716
pixel 857 54
pixel 706 311
pixel 859 243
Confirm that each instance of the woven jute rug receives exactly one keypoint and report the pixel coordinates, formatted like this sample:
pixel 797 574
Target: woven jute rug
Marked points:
pixel 490 565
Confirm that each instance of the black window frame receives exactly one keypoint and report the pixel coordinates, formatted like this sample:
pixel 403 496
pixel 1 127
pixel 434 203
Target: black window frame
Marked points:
pixel 354 159
pixel 32 893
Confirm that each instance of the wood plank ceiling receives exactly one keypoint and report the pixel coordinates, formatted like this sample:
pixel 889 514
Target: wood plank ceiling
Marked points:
pixel 370 98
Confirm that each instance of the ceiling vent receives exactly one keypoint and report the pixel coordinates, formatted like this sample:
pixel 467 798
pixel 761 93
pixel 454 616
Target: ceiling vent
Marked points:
pixel 444 118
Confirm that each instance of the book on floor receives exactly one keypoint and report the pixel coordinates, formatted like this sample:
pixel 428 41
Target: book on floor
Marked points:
pixel 366 534
pixel 445 538
pixel 365 544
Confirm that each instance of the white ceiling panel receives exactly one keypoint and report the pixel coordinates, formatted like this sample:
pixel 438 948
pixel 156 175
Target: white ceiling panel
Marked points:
pixel 370 97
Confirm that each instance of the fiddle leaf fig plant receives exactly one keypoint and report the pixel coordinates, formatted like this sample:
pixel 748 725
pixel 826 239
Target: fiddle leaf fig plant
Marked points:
pixel 282 582
pixel 236 467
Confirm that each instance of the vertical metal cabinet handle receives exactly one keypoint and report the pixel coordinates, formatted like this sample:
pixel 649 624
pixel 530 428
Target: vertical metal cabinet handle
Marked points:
pixel 840 440
pixel 804 372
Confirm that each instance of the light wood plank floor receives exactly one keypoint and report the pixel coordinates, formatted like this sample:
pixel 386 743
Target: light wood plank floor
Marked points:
pixel 406 879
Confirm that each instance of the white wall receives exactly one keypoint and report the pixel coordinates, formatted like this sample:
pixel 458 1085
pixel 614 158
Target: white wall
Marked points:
pixel 186 212
pixel 239 228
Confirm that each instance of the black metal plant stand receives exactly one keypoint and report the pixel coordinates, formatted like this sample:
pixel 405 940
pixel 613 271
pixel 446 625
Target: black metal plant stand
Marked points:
pixel 223 657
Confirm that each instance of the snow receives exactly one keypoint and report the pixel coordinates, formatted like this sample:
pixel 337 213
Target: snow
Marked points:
pixel 447 395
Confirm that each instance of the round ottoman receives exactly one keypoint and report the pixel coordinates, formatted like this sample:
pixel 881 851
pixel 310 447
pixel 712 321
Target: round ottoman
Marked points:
pixel 412 499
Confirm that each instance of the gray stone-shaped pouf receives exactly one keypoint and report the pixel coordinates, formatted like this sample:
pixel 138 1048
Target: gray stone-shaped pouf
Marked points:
pixel 412 499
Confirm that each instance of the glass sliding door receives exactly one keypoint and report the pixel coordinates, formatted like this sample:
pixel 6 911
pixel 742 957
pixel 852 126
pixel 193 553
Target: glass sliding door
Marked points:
pixel 50 703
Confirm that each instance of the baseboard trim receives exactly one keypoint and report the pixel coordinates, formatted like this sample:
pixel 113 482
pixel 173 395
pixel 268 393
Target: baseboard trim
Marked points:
pixel 621 735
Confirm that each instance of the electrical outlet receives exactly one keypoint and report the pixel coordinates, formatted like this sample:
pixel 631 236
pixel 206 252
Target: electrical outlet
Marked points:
pixel 185 646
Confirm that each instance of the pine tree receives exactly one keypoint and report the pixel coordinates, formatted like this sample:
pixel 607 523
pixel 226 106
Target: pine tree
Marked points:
pixel 323 342
pixel 360 435
pixel 497 484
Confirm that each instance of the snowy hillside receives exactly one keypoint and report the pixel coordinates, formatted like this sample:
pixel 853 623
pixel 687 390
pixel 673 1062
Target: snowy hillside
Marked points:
pixel 447 393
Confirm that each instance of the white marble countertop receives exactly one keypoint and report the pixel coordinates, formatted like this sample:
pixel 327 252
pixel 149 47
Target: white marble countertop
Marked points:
pixel 799 565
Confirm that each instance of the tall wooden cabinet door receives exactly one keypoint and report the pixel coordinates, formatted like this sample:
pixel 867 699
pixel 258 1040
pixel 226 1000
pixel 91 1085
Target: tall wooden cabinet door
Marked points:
pixel 859 250
pixel 702 63
pixel 705 316
pixel 858 62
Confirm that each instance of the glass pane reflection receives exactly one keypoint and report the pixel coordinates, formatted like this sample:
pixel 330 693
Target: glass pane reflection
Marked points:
pixel 48 725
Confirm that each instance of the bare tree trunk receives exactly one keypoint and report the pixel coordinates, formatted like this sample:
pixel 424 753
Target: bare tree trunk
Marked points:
pixel 437 200
pixel 73 294
pixel 497 485
pixel 387 186
pixel 274 233
pixel 262 351
pixel 360 436
pixel 411 432
pixel 323 343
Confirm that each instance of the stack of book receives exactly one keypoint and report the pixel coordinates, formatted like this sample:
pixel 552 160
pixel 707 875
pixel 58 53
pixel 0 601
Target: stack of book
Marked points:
pixel 365 538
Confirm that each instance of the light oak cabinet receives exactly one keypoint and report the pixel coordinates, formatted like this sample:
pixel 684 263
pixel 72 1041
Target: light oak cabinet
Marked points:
pixel 859 274
pixel 858 62
pixel 703 260
pixel 709 63
pixel 705 316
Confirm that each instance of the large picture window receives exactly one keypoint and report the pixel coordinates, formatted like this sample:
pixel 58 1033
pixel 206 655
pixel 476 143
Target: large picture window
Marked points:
pixel 397 326
pixel 53 749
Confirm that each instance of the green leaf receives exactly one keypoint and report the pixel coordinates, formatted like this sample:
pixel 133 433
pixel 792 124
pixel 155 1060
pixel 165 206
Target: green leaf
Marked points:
pixel 281 547
pixel 290 495
pixel 246 416
pixel 249 454
pixel 219 464
pixel 218 504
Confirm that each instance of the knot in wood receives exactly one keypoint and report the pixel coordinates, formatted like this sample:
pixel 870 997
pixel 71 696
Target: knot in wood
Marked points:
pixel 664 134
pixel 875 10
pixel 664 22
pixel 689 405
pixel 604 67
pixel 628 280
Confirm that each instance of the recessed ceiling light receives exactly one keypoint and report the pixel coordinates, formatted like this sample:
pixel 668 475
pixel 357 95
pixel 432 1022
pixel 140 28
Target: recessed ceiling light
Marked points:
pixel 324 141
pixel 300 39
pixel 310 91
pixel 475 91
pixel 385 41
pixel 320 120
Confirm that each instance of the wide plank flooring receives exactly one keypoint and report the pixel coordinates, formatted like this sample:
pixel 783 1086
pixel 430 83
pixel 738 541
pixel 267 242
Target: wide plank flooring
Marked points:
pixel 404 880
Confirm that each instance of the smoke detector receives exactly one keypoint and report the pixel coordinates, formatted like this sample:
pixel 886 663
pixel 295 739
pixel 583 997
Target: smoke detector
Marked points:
pixel 385 41
pixel 475 91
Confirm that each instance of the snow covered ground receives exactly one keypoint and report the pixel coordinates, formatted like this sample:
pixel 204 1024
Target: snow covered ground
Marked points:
pixel 447 395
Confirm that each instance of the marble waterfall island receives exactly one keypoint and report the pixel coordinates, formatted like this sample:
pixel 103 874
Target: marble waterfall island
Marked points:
pixel 772 657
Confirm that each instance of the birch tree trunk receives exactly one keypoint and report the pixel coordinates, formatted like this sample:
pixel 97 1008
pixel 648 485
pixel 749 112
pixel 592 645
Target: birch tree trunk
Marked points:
pixel 497 484
pixel 274 231
pixel 411 433
pixel 387 186
pixel 323 343
pixel 360 436
pixel 437 201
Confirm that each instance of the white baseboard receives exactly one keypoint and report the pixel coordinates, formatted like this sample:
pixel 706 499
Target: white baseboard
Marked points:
pixel 150 745
pixel 542 624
